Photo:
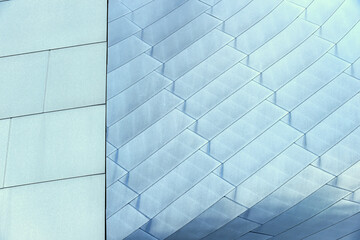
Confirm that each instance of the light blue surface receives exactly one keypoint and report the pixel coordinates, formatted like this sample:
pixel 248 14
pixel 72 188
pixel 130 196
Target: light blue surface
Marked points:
pixel 130 73
pixel 47 26
pixel 67 76
pixel 236 228
pixel 56 209
pixel 221 212
pixel 233 120
pixel 248 16
pixel 23 100
pixel 53 59
pixel 268 27
pixel 158 164
pixel 154 199
pixel 348 14
pixel 309 207
pixel 46 136
pixel 179 18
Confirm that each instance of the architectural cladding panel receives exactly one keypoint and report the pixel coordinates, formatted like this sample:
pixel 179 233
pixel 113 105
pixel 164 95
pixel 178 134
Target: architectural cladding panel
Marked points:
pixel 52 118
pixel 233 120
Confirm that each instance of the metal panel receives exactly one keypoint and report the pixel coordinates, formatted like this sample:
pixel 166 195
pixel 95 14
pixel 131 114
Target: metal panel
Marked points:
pixel 73 83
pixel 54 147
pixel 124 222
pixel 235 119
pixel 66 209
pixel 14 100
pixel 62 23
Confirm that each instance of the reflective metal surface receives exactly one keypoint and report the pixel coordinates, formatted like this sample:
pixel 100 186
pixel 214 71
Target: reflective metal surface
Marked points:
pixel 233 119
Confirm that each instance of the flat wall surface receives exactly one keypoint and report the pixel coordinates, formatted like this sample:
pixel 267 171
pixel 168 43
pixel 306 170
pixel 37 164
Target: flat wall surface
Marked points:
pixel 233 119
pixel 52 118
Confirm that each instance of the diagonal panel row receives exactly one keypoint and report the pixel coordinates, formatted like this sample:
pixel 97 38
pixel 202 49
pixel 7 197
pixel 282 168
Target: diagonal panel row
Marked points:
pixel 233 120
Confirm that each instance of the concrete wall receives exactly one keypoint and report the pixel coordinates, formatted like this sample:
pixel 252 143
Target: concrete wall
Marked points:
pixel 52 118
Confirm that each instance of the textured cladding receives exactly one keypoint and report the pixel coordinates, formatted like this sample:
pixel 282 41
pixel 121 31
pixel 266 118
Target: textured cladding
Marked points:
pixel 233 119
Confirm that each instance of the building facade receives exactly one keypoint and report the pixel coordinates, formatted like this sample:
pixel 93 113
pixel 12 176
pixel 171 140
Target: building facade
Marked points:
pixel 233 120
pixel 52 111
pixel 179 119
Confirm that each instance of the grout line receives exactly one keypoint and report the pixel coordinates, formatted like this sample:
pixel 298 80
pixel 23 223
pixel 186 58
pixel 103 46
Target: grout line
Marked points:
pixel 161 117
pixel 191 221
pixel 352 76
pixel 236 202
pixel 336 143
pixel 344 189
pixel 119 41
pixel 269 161
pixel 140 79
pixel 211 54
pixel 155 238
pixel 168 59
pixel 152 46
pixel 216 78
pixel 145 189
pixel 311 164
pixel 128 60
pixel 205 3
pixel 342 198
pixel 118 17
pixel 154 94
pixel 343 1
pixel 179 197
pixel 296 46
pixel 142 28
pixel 305 197
pixel 307 218
pixel 193 67
pixel 348 234
pixel 227 98
pixel 58 48
pixel 173 81
pixel 276 189
pixel 172 138
pixel 239 10
pixel 225 194
pixel 298 4
pixel 319 213
pixel 54 180
pixel 272 123
pixel 166 15
pixel 266 15
pixel 52 111
pixel 326 115
pixel 264 234
pixel 348 200
pixel 274 36
pixel 109 153
pixel 133 10
pixel 161 178
pixel 316 91
pixel 327 52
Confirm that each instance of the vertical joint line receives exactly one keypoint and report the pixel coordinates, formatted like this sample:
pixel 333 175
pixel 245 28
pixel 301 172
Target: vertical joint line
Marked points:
pixel 7 153
pixel 46 78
